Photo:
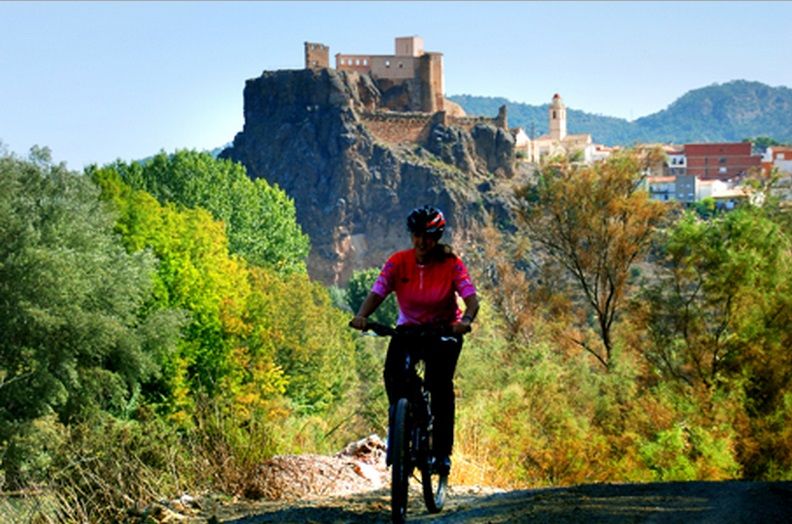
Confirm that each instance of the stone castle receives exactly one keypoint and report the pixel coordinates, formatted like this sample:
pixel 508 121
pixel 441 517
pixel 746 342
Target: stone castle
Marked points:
pixel 356 148
pixel 412 88
pixel 411 72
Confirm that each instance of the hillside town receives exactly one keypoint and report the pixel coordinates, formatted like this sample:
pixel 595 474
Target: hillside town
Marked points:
pixel 412 81
pixel 688 174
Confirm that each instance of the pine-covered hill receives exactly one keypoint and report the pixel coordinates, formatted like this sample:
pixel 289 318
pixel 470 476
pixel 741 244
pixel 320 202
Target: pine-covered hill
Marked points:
pixel 726 112
pixel 720 112
pixel 604 129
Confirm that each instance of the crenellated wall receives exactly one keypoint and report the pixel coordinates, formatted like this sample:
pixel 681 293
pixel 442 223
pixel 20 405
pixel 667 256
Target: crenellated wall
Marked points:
pixel 399 128
pixel 468 122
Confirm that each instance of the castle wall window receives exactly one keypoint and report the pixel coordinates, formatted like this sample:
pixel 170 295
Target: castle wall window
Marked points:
pixel 554 114
pixel 387 63
pixel 401 65
pixel 365 62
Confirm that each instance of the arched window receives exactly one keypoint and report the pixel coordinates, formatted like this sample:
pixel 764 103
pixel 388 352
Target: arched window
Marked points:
pixel 554 114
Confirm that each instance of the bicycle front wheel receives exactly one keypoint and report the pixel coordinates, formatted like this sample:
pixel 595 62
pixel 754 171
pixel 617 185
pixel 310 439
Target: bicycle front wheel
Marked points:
pixel 401 467
pixel 434 488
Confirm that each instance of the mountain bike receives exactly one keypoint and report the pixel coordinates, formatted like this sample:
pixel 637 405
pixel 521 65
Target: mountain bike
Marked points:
pixel 410 431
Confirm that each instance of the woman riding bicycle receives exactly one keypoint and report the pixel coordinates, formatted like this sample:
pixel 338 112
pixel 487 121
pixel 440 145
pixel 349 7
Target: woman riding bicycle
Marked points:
pixel 426 280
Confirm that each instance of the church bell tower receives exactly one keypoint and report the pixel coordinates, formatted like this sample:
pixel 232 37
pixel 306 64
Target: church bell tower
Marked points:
pixel 557 117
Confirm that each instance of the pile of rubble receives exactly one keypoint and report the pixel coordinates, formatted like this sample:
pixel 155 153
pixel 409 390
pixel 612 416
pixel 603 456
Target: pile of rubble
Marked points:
pixel 358 468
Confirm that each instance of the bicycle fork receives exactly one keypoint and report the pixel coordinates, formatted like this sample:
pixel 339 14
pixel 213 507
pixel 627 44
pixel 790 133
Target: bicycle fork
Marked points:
pixel 424 421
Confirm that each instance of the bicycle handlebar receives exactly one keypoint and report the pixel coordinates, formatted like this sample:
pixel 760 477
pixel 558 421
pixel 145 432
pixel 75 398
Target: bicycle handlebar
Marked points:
pixel 421 331
pixel 380 329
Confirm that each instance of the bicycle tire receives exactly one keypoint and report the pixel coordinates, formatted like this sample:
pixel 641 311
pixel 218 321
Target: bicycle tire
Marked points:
pixel 400 456
pixel 434 489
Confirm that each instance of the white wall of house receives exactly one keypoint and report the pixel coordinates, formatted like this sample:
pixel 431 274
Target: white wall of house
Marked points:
pixel 784 165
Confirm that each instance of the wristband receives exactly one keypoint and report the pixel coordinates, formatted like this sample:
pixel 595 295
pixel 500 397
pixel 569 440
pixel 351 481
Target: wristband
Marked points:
pixel 468 318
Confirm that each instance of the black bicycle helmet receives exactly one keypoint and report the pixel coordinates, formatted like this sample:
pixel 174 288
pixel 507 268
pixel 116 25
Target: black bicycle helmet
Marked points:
pixel 426 220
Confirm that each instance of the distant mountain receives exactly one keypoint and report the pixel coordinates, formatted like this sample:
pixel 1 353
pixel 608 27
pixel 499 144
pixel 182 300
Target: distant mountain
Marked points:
pixel 720 112
pixel 726 112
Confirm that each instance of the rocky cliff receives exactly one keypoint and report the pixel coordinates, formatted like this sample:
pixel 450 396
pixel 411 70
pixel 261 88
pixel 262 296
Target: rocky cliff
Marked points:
pixel 355 171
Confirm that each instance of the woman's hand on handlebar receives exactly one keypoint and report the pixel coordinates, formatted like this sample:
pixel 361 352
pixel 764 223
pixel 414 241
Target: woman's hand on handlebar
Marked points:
pixel 359 323
pixel 460 328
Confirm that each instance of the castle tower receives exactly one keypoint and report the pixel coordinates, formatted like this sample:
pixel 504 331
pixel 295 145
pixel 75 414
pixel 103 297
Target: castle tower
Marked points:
pixel 317 56
pixel 430 78
pixel 409 46
pixel 502 120
pixel 557 117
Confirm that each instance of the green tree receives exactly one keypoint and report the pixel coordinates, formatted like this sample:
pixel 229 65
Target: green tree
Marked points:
pixel 761 143
pixel 76 335
pixel 254 335
pixel 595 222
pixel 195 274
pixel 721 306
pixel 260 218
pixel 310 339
pixel 706 207
pixel 358 288
pixel 719 319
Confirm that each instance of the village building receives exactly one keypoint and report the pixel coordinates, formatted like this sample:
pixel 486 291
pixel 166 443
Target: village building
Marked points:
pixel 676 163
pixel 662 188
pixel 601 152
pixel 686 188
pixel 721 161
pixel 694 172
pixel 689 189
pixel 522 142
pixel 779 157
pixel 557 141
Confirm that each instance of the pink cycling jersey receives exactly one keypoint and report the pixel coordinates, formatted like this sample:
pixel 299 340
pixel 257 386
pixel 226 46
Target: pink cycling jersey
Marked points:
pixel 426 293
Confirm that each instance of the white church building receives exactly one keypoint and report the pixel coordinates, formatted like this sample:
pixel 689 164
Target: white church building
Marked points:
pixel 557 141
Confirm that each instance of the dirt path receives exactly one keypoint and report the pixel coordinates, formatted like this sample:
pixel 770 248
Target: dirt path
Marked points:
pixel 353 486
pixel 710 502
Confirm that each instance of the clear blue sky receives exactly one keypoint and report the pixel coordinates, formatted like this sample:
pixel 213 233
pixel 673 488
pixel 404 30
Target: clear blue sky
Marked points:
pixel 97 81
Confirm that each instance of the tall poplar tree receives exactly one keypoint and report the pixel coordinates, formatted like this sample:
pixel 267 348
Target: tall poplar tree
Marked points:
pixel 596 221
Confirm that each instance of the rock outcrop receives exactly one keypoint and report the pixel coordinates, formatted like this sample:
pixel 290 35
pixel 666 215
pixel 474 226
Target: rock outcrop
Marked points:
pixel 355 170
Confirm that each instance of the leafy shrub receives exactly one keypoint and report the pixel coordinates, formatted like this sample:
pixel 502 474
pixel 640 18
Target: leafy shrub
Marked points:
pixel 261 219
pixel 357 290
pixel 78 337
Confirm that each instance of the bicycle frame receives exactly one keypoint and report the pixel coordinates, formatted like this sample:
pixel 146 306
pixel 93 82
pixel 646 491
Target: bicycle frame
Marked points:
pixel 410 432
pixel 420 420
